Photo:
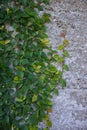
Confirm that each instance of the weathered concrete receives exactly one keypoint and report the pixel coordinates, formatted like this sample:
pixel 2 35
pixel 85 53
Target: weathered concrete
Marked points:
pixel 70 107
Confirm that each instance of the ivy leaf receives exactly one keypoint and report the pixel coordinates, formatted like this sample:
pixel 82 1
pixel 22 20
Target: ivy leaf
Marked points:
pixel 21 99
pixel 66 54
pixel 46 17
pixel 34 98
pixel 21 68
pixel 66 42
pixel 2 27
pixel 56 92
pixel 49 123
pixel 63 82
pixel 60 47
pixel 60 59
pixel 24 2
pixel 42 79
pixel 65 67
pixel 16 79
pixel 50 103
pixel 32 128
pixel 9 11
pixel 47 117
pixel 7 41
pixel 37 68
pixel 24 61
pixel 46 129
pixel 4 42
pixel 45 41
pixel 20 74
pixel 30 12
pixel 56 56
pixel 46 1
pixel 43 35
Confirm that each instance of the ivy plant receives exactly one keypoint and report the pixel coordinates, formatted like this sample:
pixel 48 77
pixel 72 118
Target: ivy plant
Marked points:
pixel 28 76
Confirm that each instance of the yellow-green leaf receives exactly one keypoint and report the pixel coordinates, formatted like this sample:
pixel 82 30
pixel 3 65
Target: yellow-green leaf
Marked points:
pixel 34 98
pixel 20 99
pixel 16 79
pixel 46 129
pixel 60 59
pixel 8 11
pixel 60 47
pixel 45 41
pixel 47 117
pixel 7 41
pixel 21 68
pixel 1 27
pixel 32 128
pixel 37 68
pixel 49 123
pixel 4 42
pixel 66 42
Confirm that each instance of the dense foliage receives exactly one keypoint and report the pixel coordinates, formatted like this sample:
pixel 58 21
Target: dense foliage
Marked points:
pixel 27 74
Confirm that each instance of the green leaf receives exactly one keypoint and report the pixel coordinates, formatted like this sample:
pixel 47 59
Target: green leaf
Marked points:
pixel 43 35
pixel 4 42
pixel 41 79
pixel 46 17
pixel 56 56
pixel 50 103
pixel 46 129
pixel 45 41
pixel 46 1
pixel 49 123
pixel 56 92
pixel 7 41
pixel 24 2
pixel 2 27
pixel 65 67
pixel 30 12
pixel 34 98
pixel 21 68
pixel 33 128
pixel 16 79
pixel 7 119
pixel 52 68
pixel 61 47
pixel 24 127
pixel 63 82
pixel 24 61
pixel 37 67
pixel 20 74
pixel 60 59
pixel 8 11
pixel 66 54
pixel 21 99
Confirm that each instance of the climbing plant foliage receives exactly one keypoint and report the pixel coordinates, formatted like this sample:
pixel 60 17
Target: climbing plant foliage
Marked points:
pixel 28 76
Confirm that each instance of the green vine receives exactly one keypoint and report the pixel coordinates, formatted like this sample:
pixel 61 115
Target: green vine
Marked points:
pixel 27 74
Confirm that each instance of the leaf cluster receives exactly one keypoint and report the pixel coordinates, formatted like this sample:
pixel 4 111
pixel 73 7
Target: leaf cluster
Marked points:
pixel 27 74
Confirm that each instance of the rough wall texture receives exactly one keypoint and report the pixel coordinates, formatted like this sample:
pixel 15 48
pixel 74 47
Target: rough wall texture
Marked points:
pixel 70 107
